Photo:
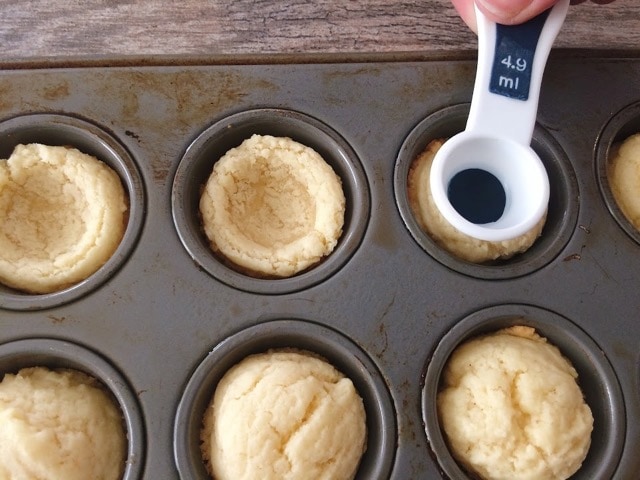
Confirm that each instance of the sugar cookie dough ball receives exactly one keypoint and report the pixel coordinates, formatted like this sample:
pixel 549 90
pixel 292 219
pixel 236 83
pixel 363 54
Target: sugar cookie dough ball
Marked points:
pixel 57 425
pixel 284 415
pixel 446 235
pixel 624 178
pixel 62 215
pixel 511 408
pixel 272 207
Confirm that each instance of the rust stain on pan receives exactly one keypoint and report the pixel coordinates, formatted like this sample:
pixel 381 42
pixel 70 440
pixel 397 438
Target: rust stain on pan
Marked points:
pixel 56 319
pixel 6 95
pixel 177 98
pixel 173 103
pixel 12 97
pixel 58 91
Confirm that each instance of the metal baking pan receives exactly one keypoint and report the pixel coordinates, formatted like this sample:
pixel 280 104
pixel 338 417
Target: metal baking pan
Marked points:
pixel 163 319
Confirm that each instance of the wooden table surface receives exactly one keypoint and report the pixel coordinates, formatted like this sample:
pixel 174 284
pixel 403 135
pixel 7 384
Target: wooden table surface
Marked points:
pixel 70 29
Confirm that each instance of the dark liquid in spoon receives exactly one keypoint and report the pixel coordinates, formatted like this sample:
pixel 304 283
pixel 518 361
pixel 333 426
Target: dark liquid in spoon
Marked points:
pixel 477 195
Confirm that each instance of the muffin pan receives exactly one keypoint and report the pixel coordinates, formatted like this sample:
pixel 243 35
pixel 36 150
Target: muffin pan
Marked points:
pixel 163 320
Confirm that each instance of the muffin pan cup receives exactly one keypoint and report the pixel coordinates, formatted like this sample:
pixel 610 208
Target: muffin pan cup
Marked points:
pixel 596 379
pixel 57 353
pixel 386 302
pixel 196 167
pixel 377 460
pixel 622 125
pixel 562 211
pixel 56 129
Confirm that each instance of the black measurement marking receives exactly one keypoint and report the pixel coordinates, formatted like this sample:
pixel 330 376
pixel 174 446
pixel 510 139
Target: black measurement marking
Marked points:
pixel 513 57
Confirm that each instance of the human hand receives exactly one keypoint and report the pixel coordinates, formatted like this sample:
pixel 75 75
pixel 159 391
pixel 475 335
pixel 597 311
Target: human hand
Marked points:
pixel 507 12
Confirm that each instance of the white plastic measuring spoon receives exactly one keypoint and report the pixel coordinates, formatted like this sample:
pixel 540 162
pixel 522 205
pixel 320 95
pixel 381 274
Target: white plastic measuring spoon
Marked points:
pixel 492 160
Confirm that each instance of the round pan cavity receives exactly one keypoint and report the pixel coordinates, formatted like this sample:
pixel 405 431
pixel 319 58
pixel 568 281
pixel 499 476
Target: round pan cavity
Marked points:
pixel 64 130
pixel 562 214
pixel 54 353
pixel 621 126
pixel 196 166
pixel 378 459
pixel 595 377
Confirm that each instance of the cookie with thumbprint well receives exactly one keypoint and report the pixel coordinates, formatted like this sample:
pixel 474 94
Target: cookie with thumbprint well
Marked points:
pixel 272 207
pixel 62 216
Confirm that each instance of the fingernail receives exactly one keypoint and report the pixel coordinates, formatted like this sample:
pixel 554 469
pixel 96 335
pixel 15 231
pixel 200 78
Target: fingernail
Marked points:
pixel 503 9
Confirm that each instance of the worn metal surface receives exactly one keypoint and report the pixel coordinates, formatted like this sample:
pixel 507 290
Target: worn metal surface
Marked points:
pixel 160 314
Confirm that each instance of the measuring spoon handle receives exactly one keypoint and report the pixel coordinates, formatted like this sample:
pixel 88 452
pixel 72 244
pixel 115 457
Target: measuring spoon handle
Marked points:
pixel 511 61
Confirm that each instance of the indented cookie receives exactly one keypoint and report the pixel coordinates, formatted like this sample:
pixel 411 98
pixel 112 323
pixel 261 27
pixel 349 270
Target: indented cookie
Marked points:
pixel 511 408
pixel 62 215
pixel 623 172
pixel 442 232
pixel 272 207
pixel 59 424
pixel 284 414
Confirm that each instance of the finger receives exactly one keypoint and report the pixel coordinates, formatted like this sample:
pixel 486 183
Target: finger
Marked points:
pixel 511 12
pixel 467 13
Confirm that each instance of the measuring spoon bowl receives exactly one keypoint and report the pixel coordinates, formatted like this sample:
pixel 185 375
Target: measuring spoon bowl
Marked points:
pixel 523 183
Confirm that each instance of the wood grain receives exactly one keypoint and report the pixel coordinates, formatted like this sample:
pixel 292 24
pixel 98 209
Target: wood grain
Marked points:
pixel 74 28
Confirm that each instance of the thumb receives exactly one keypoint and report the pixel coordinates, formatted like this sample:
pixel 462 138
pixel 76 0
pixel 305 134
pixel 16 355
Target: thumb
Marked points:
pixel 510 12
